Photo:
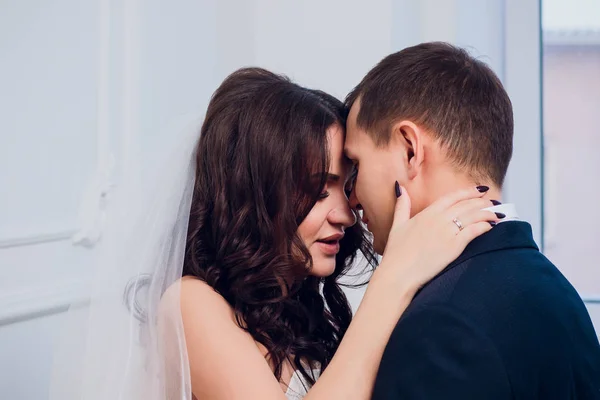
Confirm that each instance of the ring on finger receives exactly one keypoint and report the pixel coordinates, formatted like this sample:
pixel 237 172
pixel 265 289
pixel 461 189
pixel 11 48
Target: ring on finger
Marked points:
pixel 458 224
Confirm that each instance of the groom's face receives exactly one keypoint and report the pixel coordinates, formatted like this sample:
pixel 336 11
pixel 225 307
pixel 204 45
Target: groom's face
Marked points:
pixel 378 170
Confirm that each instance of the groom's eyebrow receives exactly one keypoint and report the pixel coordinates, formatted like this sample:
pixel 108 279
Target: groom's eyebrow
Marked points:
pixel 348 153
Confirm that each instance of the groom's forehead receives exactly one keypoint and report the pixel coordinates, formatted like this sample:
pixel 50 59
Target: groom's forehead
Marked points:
pixel 352 131
pixel 353 114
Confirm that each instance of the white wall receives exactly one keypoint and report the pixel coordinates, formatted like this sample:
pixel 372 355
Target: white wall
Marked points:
pixel 48 77
pixel 84 83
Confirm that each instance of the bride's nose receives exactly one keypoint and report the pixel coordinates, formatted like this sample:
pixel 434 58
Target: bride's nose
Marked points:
pixel 342 215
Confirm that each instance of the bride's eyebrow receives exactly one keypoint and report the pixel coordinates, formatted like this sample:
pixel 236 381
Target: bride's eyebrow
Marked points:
pixel 330 177
pixel 333 177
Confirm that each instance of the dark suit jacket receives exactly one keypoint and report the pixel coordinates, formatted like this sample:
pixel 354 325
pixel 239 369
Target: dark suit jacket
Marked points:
pixel 501 322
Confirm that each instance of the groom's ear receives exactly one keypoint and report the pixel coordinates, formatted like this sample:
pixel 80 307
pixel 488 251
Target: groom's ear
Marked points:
pixel 409 137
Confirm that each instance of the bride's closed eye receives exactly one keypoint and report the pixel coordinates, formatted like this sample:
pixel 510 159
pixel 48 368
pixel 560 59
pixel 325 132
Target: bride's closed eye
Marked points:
pixel 324 194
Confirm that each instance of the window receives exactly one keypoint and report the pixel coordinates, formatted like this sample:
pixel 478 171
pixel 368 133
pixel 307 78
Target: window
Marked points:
pixel 571 143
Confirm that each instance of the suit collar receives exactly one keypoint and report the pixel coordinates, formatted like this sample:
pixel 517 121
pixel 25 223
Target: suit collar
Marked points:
pixel 508 235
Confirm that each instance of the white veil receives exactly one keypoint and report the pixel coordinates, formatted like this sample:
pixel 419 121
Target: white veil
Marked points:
pixel 128 342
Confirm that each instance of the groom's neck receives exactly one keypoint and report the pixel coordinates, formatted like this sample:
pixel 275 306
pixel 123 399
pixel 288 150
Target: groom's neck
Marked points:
pixel 448 180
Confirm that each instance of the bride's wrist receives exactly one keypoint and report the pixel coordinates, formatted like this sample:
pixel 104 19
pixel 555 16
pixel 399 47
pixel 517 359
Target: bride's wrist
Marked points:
pixel 386 299
pixel 388 279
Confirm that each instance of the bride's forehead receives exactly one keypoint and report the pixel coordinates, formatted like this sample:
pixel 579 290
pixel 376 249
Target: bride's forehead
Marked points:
pixel 335 139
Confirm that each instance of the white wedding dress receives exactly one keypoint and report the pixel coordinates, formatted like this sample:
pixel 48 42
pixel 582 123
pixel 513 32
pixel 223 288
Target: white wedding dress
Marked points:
pixel 298 386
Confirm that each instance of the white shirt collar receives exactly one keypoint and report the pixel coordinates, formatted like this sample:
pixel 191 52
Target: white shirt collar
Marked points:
pixel 508 209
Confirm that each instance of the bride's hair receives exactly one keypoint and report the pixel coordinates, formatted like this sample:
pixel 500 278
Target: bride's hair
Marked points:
pixel 262 162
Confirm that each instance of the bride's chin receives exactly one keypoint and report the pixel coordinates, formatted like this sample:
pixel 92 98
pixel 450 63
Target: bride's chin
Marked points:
pixel 323 268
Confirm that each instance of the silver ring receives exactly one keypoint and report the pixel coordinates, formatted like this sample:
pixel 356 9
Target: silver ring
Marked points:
pixel 458 224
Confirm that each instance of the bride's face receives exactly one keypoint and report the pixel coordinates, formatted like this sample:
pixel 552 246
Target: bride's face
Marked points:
pixel 323 227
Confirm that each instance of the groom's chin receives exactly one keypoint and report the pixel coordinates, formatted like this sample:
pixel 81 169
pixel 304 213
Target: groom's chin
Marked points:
pixel 378 245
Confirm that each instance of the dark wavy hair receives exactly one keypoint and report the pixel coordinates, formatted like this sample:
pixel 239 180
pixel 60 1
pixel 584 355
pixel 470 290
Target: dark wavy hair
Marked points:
pixel 262 161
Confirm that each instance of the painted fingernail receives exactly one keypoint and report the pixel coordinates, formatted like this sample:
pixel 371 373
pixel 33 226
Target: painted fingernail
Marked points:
pixel 398 190
pixel 495 202
pixel 482 189
pixel 492 223
pixel 500 215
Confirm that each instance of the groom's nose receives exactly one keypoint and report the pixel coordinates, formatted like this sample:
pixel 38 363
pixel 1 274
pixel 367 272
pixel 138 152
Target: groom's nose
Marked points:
pixel 354 204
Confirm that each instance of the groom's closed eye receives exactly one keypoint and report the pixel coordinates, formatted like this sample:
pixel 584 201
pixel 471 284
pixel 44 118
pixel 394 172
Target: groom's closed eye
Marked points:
pixel 351 180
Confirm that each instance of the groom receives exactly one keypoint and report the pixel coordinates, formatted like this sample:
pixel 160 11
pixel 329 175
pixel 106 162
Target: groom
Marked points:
pixel 500 322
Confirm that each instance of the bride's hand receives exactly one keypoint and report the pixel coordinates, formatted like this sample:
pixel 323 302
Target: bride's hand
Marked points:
pixel 419 248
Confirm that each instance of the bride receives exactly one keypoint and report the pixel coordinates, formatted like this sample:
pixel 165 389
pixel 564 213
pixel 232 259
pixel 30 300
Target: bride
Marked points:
pixel 231 267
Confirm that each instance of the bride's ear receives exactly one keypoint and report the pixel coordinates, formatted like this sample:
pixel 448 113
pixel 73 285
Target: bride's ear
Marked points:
pixel 408 137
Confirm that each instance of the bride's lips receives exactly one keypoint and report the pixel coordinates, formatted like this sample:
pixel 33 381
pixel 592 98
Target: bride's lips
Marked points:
pixel 330 245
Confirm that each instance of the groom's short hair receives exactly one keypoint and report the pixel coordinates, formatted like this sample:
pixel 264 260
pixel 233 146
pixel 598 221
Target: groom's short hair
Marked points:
pixel 456 97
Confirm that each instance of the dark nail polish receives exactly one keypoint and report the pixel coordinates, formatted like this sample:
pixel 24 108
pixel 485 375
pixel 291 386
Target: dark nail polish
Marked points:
pixel 492 223
pixel 398 190
pixel 495 202
pixel 482 189
pixel 500 215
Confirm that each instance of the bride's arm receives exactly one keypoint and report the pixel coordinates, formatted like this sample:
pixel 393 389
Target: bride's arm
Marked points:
pixel 225 362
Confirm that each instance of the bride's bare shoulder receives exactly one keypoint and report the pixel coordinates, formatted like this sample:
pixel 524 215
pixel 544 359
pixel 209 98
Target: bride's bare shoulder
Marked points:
pixel 197 299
